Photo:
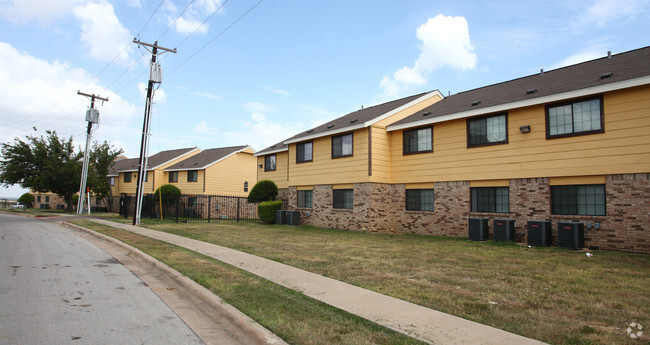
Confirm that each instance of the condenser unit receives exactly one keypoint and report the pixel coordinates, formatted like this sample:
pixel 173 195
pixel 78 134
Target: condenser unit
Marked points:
pixel 479 229
pixel 504 230
pixel 571 235
pixel 539 233
pixel 281 217
pixel 293 218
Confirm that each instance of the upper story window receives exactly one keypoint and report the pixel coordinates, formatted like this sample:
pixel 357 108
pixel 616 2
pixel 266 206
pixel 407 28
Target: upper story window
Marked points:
pixel 173 176
pixel 342 145
pixel 487 130
pixel 192 175
pixel 490 199
pixel 304 152
pixel 579 117
pixel 127 177
pixel 588 200
pixel 111 181
pixel 418 140
pixel 269 162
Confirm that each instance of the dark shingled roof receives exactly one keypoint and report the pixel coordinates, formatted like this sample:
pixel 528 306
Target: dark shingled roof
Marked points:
pixel 131 164
pixel 617 68
pixel 281 146
pixel 357 117
pixel 205 158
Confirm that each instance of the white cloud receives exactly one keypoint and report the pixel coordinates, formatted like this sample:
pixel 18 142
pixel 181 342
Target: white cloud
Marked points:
pixel 257 107
pixel 203 128
pixel 159 95
pixel 445 43
pixel 44 12
pixel 590 53
pixel 57 107
pixel 193 17
pixel 208 95
pixel 276 90
pixel 103 34
pixel 603 12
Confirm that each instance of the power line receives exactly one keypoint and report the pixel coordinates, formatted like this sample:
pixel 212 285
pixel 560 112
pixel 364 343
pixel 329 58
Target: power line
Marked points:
pixel 215 37
pixel 203 23
pixel 174 21
pixel 148 20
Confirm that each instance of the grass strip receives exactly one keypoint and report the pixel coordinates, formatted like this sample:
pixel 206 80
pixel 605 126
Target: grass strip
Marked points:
pixel 552 294
pixel 289 314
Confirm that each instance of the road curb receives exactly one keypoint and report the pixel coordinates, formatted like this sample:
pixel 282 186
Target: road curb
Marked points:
pixel 245 323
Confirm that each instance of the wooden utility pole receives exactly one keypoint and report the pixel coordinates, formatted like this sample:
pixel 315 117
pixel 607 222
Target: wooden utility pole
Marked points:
pixel 155 77
pixel 92 116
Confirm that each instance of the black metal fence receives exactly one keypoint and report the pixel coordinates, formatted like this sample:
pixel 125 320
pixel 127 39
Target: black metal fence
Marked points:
pixel 193 208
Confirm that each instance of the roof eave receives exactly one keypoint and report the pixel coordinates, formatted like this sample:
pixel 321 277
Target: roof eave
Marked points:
pixel 325 134
pixel 526 103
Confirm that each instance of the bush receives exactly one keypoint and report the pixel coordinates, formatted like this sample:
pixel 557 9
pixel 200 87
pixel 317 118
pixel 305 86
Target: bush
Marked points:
pixel 26 199
pixel 170 194
pixel 75 199
pixel 266 210
pixel 264 190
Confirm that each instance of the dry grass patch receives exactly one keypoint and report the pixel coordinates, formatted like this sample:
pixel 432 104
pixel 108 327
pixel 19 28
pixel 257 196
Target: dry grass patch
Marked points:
pixel 554 295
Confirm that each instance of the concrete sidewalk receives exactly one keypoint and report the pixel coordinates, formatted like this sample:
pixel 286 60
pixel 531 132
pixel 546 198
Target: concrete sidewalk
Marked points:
pixel 416 321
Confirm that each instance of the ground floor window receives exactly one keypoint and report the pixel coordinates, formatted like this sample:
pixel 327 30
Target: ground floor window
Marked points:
pixel 419 199
pixel 305 198
pixel 588 200
pixel 490 199
pixel 343 198
pixel 192 201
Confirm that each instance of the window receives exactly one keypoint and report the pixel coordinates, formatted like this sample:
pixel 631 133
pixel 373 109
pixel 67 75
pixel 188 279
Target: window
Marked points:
pixel 487 130
pixel 304 152
pixel 173 176
pixel 111 181
pixel 47 198
pixel 146 176
pixel 418 140
pixel 269 163
pixel 127 177
pixel 588 200
pixel 574 118
pixel 192 201
pixel 38 198
pixel 343 199
pixel 342 146
pixel 419 199
pixel 98 201
pixel 192 175
pixel 490 199
pixel 305 198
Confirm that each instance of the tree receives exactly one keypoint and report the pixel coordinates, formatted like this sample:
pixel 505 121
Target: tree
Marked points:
pixel 26 199
pixel 263 190
pixel 169 195
pixel 102 156
pixel 42 165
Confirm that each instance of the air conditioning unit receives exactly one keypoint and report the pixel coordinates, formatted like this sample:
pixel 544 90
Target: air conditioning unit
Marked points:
pixel 504 230
pixel 571 235
pixel 293 218
pixel 479 229
pixel 539 233
pixel 281 217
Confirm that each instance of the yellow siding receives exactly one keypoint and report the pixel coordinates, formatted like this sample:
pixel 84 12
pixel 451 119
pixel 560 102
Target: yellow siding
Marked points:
pixel 280 176
pixel 325 170
pixel 490 183
pixel 304 187
pixel 381 158
pixel 623 148
pixel 189 187
pixel 228 176
pixel 428 185
pixel 558 181
pixel 408 111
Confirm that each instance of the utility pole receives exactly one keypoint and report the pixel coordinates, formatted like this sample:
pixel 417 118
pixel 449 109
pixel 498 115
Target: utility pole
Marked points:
pixel 92 116
pixel 155 77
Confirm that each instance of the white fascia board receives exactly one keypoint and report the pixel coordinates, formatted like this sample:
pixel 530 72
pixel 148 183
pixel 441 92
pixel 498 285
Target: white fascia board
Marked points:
pixel 265 153
pixel 404 107
pixel 326 134
pixel 526 103
pixel 175 158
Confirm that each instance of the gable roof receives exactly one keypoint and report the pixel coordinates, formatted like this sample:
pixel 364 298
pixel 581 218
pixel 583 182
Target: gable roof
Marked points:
pixel 610 73
pixel 153 162
pixel 362 118
pixel 207 158
pixel 279 147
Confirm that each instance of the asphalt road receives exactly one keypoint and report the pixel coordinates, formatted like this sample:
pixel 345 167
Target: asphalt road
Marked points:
pixel 57 288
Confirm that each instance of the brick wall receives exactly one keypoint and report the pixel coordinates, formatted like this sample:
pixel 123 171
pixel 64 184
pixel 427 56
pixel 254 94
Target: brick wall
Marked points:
pixel 381 208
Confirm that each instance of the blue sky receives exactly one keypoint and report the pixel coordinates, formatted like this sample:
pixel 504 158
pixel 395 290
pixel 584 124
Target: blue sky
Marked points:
pixel 259 72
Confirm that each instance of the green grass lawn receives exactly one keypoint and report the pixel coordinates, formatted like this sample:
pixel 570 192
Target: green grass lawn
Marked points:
pixel 555 295
pixel 291 315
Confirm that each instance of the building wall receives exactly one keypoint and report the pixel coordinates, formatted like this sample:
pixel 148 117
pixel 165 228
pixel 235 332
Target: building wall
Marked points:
pixel 281 173
pixel 188 187
pixel 228 176
pixel 381 208
pixel 623 148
